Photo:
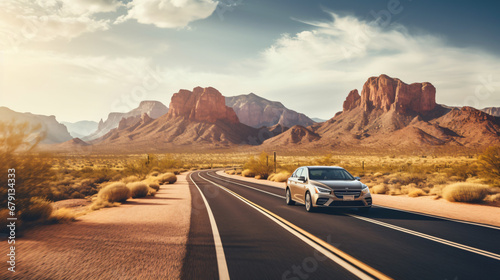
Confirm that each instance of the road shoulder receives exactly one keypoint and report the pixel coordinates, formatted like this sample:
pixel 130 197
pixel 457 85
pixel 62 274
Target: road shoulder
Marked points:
pixel 141 239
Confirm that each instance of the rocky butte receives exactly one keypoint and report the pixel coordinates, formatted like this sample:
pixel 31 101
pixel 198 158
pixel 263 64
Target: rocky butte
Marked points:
pixel 201 104
pixel 386 93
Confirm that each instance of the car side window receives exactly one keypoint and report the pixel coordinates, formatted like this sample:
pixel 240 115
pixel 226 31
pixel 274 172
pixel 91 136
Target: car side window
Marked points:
pixel 294 175
pixel 299 172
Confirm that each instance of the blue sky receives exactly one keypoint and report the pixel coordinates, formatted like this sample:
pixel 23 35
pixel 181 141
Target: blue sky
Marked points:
pixel 81 59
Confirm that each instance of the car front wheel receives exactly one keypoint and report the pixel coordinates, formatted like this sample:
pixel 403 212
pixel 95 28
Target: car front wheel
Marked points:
pixel 309 204
pixel 289 200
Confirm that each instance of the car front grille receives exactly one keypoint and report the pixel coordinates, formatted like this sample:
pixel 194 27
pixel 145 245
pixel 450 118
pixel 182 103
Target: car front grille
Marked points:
pixel 340 194
pixel 347 203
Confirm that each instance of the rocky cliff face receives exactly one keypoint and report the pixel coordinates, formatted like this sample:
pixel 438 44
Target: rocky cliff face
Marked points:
pixel 201 104
pixel 352 101
pixel 257 112
pixel 153 109
pixel 387 93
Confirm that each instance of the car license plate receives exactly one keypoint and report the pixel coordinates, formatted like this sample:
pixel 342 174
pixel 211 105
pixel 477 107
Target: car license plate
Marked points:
pixel 348 197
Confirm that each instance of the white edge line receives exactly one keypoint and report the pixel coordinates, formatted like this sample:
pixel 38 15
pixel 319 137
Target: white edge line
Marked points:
pixel 430 237
pixel 408 231
pixel 277 195
pixel 219 249
pixel 440 217
pixel 357 272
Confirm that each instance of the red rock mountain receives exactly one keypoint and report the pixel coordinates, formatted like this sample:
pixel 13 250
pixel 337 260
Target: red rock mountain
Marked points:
pixel 196 120
pixel 386 93
pixel 390 114
pixel 201 104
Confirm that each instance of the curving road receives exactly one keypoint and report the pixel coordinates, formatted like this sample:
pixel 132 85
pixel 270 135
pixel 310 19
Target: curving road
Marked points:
pixel 244 230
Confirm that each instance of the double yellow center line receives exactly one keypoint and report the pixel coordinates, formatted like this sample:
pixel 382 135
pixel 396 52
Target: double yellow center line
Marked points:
pixel 358 268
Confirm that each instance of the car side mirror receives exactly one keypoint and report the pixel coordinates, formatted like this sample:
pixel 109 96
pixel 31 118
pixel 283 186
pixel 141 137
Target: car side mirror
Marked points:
pixel 302 179
pixel 357 178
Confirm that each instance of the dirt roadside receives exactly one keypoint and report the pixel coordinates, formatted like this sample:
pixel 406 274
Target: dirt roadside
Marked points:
pixel 141 239
pixel 475 213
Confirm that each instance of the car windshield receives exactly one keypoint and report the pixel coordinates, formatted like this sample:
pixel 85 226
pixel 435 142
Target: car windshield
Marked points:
pixel 329 174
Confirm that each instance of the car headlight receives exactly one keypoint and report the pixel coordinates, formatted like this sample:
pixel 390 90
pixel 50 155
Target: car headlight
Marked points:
pixel 322 190
pixel 365 190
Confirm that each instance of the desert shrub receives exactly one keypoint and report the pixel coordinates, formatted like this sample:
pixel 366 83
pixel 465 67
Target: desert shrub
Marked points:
pixel 493 198
pixel 154 174
pixel 63 215
pixel 260 165
pixel 154 186
pixel 416 193
pixel 114 192
pixel 247 173
pixel 490 161
pixel 77 195
pixel 230 172
pixel 379 189
pixel 437 190
pixel 279 177
pixel 138 189
pixel 39 210
pixel 465 192
pixel 167 178
pixel 378 174
pixel 130 179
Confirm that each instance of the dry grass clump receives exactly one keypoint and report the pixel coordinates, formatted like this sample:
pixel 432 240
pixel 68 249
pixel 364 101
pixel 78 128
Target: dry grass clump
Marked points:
pixel 465 192
pixel 38 210
pixel 230 171
pixel 114 192
pixel 63 215
pixel 130 179
pixel 247 173
pixel 167 178
pixel 493 198
pixel 379 189
pixel 154 186
pixel 138 189
pixel 416 193
pixel 261 165
pixel 279 177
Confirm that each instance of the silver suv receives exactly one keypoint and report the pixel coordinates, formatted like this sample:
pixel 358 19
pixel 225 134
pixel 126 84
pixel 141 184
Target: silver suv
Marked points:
pixel 327 186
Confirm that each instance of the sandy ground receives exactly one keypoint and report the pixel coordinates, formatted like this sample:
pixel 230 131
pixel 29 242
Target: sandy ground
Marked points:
pixel 141 239
pixel 461 211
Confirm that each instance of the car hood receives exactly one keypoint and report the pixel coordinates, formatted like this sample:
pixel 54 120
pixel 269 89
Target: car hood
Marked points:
pixel 339 185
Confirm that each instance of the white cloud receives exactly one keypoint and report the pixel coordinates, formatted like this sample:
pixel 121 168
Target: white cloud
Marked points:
pixel 168 13
pixel 40 20
pixel 311 72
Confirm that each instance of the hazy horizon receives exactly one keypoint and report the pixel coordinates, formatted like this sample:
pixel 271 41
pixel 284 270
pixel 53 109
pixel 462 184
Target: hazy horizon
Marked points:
pixel 81 60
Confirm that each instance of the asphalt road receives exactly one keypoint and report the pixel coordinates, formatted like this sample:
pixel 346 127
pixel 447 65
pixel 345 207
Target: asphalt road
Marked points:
pixel 248 232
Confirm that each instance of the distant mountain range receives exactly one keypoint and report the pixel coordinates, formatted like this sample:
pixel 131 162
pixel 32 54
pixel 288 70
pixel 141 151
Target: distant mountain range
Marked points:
pixel 54 131
pixel 388 115
pixel 154 109
pixel 81 129
pixel 257 112
pixel 494 111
